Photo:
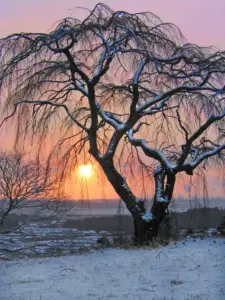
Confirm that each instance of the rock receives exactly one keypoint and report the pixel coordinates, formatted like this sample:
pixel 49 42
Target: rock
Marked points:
pixel 198 235
pixel 212 232
pixel 104 241
pixel 197 231
pixel 183 233
pixel 190 231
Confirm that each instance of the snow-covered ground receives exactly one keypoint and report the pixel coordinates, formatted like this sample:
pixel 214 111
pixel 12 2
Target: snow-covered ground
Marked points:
pixel 35 239
pixel 192 269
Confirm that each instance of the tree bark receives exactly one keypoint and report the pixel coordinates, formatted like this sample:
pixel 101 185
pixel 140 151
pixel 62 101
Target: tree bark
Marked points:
pixel 146 224
pixel 162 198
pixel 121 187
pixel 5 214
pixel 146 230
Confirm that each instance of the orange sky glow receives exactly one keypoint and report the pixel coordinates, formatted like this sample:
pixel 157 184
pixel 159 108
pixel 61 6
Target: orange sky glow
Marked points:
pixel 202 22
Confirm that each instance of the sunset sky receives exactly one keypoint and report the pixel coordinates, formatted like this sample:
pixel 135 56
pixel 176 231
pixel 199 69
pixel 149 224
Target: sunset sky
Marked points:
pixel 201 21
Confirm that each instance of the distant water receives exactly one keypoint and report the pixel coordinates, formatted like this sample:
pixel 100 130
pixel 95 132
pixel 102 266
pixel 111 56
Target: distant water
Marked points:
pixel 115 207
pixel 94 208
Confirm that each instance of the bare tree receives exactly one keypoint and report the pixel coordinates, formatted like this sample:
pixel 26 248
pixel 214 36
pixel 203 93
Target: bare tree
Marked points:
pixel 26 187
pixel 118 81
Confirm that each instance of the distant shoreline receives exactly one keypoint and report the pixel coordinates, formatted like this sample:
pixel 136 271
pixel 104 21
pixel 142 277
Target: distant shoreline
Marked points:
pixel 113 207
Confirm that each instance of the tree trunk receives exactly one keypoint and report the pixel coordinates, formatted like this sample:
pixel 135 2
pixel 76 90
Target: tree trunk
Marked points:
pixel 5 214
pixel 121 187
pixel 144 231
pixel 146 224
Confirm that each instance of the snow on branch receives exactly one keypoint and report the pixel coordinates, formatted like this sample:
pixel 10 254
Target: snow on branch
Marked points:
pixel 150 152
pixel 109 118
pixel 172 92
pixel 212 119
pixel 140 68
pixel 203 157
pixel 130 66
pixel 187 148
pixel 159 186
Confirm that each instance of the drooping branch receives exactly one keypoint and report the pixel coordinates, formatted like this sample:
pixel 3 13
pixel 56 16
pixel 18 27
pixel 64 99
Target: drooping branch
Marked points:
pixel 47 102
pixel 164 97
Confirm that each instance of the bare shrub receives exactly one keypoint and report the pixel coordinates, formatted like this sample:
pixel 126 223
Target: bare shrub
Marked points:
pixel 30 188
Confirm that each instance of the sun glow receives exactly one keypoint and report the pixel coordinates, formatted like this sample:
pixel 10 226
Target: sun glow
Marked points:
pixel 85 171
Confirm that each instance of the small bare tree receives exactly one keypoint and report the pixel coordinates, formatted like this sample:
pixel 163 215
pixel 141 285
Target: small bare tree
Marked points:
pixel 118 81
pixel 27 187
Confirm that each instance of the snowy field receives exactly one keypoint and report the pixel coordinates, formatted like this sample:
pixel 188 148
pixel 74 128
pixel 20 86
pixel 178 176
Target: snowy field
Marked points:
pixel 192 269
pixel 42 239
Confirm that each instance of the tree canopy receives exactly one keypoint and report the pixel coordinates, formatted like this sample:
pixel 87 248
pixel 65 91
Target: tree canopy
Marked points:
pixel 117 81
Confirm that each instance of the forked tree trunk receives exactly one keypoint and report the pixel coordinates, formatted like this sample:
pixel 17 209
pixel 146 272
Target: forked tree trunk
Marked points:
pixel 146 224
pixel 144 231
pixel 147 230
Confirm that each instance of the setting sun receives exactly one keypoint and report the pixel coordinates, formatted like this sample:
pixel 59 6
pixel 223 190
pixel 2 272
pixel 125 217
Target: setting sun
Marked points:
pixel 85 171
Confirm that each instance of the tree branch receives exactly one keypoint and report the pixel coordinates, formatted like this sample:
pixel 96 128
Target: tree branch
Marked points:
pixel 46 102
pixel 156 154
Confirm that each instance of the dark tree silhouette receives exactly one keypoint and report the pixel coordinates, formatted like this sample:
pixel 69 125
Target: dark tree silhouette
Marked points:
pixel 118 81
pixel 27 186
